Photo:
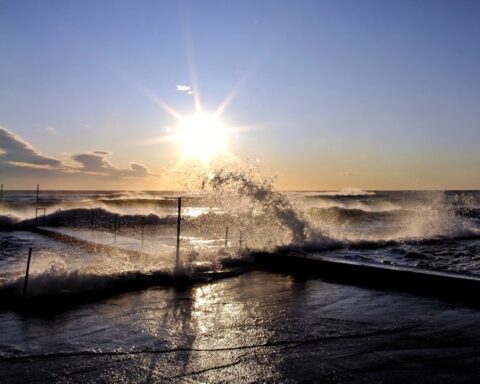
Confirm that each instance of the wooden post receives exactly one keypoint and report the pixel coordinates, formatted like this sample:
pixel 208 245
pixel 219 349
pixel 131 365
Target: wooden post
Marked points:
pixel 25 284
pixel 179 220
pixel 226 236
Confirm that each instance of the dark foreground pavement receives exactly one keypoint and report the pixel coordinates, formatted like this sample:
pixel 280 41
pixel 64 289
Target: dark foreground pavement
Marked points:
pixel 259 327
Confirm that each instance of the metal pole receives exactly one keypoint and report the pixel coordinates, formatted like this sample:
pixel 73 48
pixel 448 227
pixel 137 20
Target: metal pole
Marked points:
pixel 36 204
pixel 25 284
pixel 226 236
pixel 179 219
pixel 115 227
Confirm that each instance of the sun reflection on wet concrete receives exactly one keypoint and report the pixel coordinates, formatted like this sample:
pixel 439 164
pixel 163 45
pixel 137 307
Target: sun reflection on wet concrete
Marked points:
pixel 258 326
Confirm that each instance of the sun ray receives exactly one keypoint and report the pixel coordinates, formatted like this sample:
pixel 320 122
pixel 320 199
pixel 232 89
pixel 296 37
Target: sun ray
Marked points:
pixel 149 94
pixel 158 101
pixel 189 52
pixel 230 96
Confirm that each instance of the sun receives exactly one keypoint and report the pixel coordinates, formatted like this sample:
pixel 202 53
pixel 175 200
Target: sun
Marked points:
pixel 201 137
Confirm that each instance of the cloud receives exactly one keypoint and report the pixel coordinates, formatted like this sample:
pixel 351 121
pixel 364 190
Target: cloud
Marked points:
pixel 51 130
pixel 97 163
pixel 139 170
pixel 184 88
pixel 17 157
pixel 93 162
pixel 14 150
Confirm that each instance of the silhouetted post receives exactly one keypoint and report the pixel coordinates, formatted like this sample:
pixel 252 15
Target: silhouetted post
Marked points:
pixel 143 230
pixel 240 240
pixel 179 219
pixel 36 204
pixel 44 221
pixel 25 284
pixel 226 235
pixel 115 226
pixel 92 220
pixel 1 194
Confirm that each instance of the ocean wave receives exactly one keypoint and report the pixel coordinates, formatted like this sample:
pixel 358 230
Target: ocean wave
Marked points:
pixel 469 212
pixel 96 217
pixel 346 213
pixel 8 221
pixel 156 201
pixel 324 244
pixel 348 192
pixel 59 286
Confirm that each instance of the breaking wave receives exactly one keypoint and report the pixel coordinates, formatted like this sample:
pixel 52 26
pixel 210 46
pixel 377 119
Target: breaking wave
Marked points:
pixel 94 217
pixel 262 193
pixel 348 192
pixel 8 221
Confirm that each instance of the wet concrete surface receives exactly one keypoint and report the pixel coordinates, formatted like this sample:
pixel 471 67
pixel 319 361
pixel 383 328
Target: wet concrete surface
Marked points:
pixel 258 327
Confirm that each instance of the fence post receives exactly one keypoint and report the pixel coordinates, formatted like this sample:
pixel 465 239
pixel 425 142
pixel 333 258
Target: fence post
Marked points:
pixel 25 284
pixel 179 219
pixel 36 204
pixel 226 236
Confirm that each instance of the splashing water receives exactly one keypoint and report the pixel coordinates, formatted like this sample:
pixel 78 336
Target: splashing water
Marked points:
pixel 263 193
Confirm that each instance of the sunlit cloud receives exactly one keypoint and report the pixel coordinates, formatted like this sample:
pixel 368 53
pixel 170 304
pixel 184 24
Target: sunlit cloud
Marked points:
pixel 184 88
pixel 18 157
pixel 97 163
pixel 15 150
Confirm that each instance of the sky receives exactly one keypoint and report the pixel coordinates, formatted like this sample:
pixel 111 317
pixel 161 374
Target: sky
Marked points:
pixel 322 94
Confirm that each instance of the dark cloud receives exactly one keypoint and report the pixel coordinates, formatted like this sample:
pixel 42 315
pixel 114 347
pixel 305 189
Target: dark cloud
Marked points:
pixel 139 170
pixel 97 162
pixel 15 151
pixel 94 162
pixel 19 157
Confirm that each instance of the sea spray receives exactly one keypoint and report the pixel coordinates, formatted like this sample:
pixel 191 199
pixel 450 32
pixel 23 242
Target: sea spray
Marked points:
pixel 433 217
pixel 262 192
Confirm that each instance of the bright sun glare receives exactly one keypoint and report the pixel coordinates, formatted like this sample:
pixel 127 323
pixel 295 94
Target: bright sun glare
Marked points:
pixel 201 137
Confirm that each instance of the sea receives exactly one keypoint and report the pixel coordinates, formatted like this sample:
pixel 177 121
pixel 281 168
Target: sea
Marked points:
pixel 223 320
